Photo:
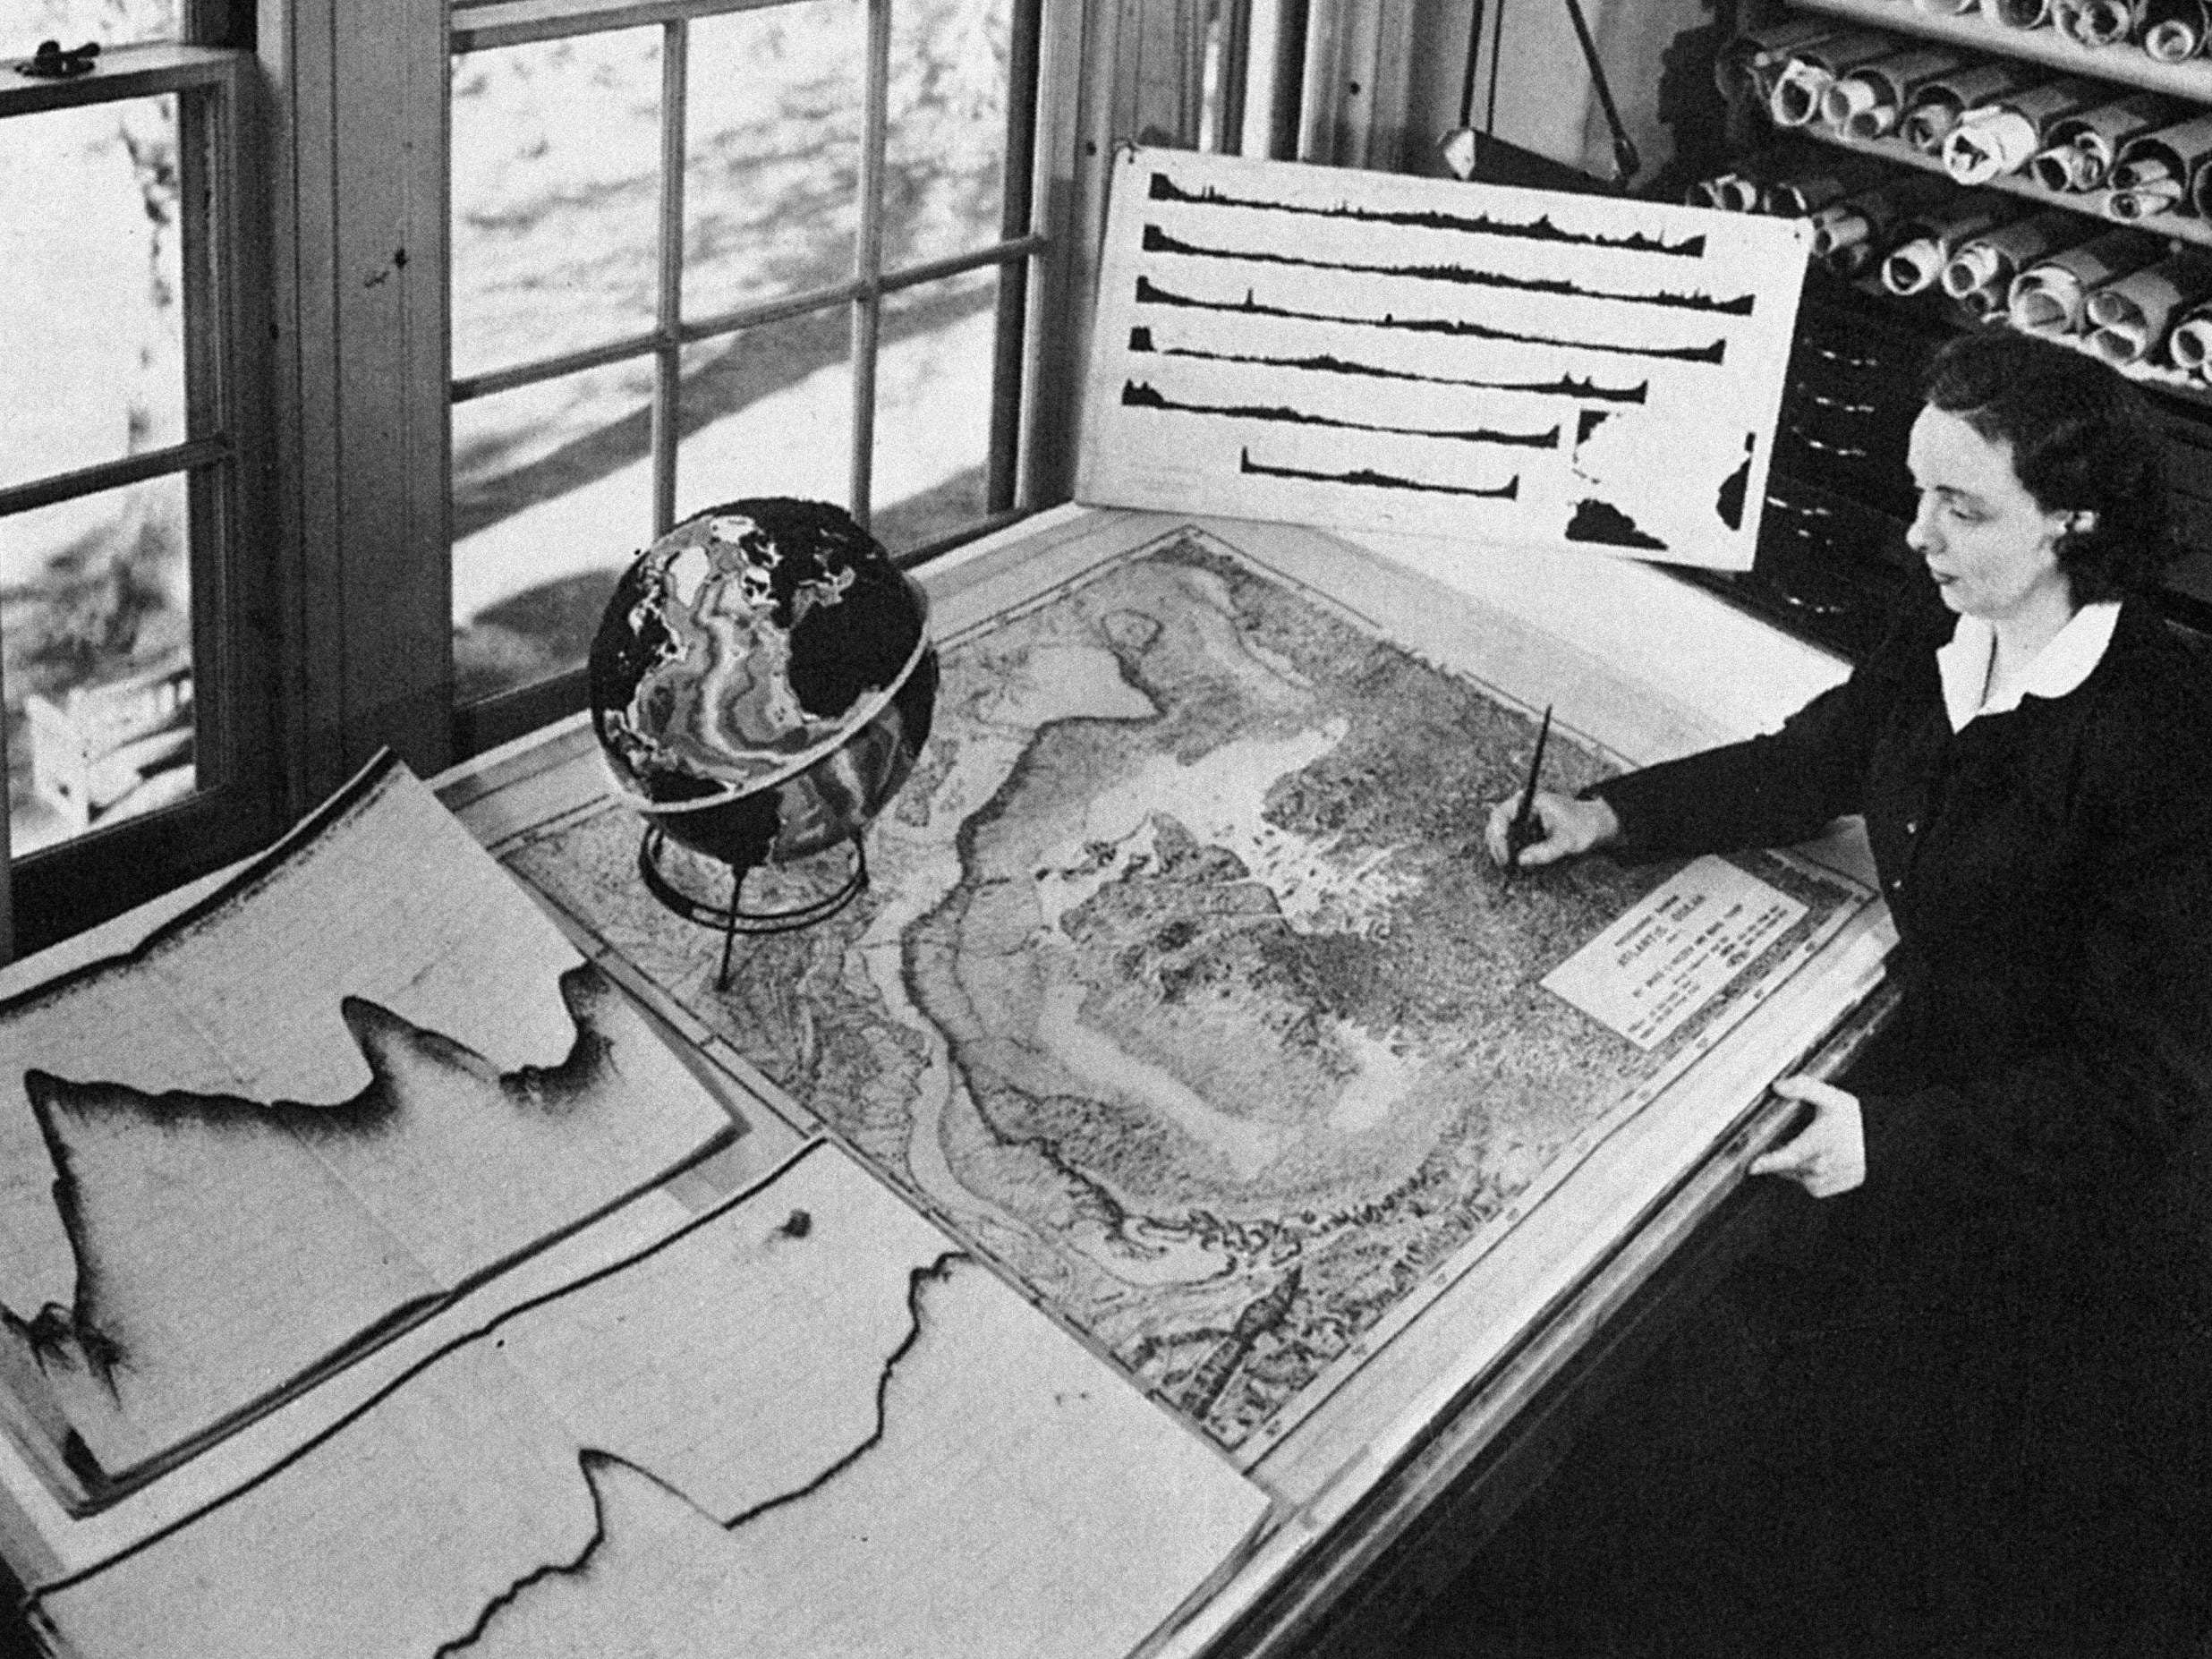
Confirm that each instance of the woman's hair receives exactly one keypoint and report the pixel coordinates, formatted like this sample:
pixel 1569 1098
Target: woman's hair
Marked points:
pixel 2081 438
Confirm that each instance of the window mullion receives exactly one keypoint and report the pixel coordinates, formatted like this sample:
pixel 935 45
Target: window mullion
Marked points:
pixel 1010 344
pixel 668 304
pixel 130 72
pixel 42 492
pixel 202 156
pixel 213 528
pixel 868 255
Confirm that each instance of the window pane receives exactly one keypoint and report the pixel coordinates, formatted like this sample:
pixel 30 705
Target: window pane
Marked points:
pixel 96 628
pixel 552 493
pixel 768 413
pixel 556 196
pixel 944 178
pixel 91 323
pixel 933 445
pixel 773 141
pixel 73 22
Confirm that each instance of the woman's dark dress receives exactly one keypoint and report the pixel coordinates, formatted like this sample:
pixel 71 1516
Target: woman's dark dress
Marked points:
pixel 1979 1338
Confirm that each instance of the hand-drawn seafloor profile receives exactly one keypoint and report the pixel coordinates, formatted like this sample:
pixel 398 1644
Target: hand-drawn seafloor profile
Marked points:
pixel 801 1422
pixel 1182 990
pixel 361 1076
pixel 1313 345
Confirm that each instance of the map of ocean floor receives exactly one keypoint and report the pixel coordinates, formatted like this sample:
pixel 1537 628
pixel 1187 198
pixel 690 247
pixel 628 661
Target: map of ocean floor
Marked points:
pixel 1182 989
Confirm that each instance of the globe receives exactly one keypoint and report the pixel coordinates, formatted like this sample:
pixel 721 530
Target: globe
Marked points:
pixel 762 680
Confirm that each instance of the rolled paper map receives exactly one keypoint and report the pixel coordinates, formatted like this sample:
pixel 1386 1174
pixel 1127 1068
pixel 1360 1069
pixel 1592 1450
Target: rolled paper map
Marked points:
pixel 1731 192
pixel 1751 63
pixel 2189 342
pixel 1993 140
pixel 1924 245
pixel 2175 30
pixel 2096 22
pixel 2018 13
pixel 2153 170
pixel 1936 104
pixel 1740 194
pixel 2132 315
pixel 2142 190
pixel 1806 190
pixel 1743 188
pixel 2052 296
pixel 2079 150
pixel 1980 273
pixel 1869 101
pixel 2200 183
pixel 1812 69
pixel 1847 234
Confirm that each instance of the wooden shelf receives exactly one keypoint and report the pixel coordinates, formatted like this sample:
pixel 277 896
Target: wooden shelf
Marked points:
pixel 2175 227
pixel 2179 229
pixel 2127 64
pixel 2184 401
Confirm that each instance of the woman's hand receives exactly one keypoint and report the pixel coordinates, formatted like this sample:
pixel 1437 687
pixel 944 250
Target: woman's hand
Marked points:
pixel 1570 829
pixel 1829 1155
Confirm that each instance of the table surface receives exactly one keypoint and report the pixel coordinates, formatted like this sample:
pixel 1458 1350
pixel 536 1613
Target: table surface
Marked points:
pixel 1349 1507
pixel 1354 1486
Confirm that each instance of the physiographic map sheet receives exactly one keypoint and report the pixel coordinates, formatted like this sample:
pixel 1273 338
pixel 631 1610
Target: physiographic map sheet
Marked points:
pixel 1323 346
pixel 1182 989
pixel 364 1074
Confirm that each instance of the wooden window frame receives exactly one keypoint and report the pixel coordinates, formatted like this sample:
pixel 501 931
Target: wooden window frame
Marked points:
pixel 1017 248
pixel 356 157
pixel 359 142
pixel 330 626
pixel 225 459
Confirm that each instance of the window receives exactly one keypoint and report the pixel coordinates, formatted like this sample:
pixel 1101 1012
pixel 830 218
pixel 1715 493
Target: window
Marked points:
pixel 132 455
pixel 703 250
pixel 460 302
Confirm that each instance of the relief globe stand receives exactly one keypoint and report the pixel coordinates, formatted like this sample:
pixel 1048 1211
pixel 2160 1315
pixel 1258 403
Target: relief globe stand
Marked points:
pixel 730 917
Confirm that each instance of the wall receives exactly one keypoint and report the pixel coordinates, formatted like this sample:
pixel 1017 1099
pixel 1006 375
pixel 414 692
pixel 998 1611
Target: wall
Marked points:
pixel 1545 101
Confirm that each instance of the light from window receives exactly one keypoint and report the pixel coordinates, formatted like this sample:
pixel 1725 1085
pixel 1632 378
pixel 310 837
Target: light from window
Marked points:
pixel 934 404
pixel 771 173
pixel 556 165
pixel 631 347
pixel 95 609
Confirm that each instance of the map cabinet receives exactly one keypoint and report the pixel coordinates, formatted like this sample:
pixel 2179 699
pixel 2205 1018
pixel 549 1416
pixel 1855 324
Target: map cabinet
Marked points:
pixel 1832 549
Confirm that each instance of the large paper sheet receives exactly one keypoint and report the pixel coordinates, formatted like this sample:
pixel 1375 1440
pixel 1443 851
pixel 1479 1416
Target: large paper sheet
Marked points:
pixel 1324 347
pixel 804 1426
pixel 363 1075
pixel 1182 986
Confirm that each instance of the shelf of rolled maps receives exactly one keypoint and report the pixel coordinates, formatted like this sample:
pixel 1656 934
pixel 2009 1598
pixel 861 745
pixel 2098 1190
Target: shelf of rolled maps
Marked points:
pixel 2038 165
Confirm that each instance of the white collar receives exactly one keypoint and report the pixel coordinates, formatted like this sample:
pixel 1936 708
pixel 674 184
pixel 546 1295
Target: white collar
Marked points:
pixel 2062 665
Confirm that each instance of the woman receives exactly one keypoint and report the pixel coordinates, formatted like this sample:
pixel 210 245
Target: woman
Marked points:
pixel 2032 752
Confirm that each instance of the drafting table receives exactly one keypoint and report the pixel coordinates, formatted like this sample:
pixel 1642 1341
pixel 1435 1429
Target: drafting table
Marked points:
pixel 1451 1414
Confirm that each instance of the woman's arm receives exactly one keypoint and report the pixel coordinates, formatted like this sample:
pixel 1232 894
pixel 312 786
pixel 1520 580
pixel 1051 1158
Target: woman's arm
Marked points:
pixel 1770 791
pixel 1788 786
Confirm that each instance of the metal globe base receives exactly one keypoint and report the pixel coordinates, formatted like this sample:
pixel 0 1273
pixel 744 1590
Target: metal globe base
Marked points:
pixel 730 918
